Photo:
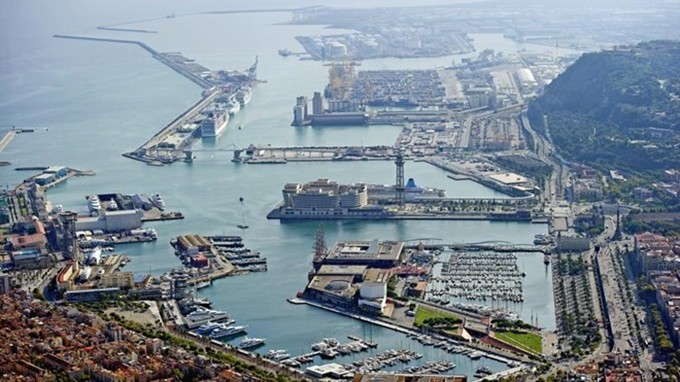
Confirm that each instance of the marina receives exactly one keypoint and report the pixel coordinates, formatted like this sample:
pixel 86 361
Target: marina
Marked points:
pixel 478 276
pixel 207 258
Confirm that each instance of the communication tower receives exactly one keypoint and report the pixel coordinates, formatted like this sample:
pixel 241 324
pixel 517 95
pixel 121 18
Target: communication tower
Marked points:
pixel 399 186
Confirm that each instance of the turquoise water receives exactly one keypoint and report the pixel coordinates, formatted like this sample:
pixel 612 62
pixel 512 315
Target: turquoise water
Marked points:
pixel 99 100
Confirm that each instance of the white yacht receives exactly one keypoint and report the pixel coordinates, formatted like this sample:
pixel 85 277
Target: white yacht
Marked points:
pixel 93 204
pixel 158 201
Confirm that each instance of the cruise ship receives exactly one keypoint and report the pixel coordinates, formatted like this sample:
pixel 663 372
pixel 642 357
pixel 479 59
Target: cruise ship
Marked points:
pixel 244 95
pixel 227 331
pixel 233 106
pixel 214 123
pixel 412 192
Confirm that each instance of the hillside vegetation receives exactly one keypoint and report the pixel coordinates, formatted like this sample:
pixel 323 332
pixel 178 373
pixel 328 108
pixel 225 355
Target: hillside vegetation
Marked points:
pixel 617 109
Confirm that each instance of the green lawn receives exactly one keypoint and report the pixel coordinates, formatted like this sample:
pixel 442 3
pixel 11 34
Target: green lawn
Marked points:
pixel 528 341
pixel 423 313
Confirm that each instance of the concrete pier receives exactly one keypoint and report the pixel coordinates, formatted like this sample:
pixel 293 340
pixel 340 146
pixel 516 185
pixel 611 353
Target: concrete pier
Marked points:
pixel 154 53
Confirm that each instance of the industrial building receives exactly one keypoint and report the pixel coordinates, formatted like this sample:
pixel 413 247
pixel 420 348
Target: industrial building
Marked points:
pixel 44 179
pixel 57 171
pixel 300 112
pixel 111 221
pixel 193 244
pixel 377 254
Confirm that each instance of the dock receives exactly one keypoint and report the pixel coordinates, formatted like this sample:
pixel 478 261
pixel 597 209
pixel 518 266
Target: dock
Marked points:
pixel 169 144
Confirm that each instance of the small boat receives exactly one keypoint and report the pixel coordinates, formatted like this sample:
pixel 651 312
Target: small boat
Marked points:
pixel 242 226
pixel 241 199
pixel 203 284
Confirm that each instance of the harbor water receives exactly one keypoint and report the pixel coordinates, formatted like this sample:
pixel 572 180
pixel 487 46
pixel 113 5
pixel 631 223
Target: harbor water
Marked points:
pixel 93 101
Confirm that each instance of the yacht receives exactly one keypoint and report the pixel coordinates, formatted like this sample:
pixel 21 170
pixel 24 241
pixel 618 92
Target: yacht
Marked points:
pixel 227 331
pixel 277 355
pixel 203 284
pixel 158 201
pixel 248 343
pixel 201 316
pixel 94 205
pixel 207 328
pixel 204 302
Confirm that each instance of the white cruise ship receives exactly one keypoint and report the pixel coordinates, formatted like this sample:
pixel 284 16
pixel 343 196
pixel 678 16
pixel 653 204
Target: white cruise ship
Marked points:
pixel 233 106
pixel 214 123
pixel 244 95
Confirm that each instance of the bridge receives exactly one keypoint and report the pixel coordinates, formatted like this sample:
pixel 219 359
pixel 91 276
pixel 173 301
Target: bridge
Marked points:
pixel 189 153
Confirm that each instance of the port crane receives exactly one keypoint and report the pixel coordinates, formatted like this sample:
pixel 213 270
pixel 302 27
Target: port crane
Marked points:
pixel 341 77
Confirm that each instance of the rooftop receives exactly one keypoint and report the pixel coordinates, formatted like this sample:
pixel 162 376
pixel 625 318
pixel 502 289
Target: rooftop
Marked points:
pixel 329 269
pixel 366 250
pixel 340 286
pixel 508 178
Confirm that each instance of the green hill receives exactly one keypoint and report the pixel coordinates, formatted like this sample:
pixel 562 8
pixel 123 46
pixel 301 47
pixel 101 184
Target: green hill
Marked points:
pixel 617 109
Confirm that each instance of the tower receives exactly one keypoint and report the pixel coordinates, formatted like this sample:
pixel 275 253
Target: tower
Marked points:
pixel 399 186
pixel 317 104
pixel 320 249
pixel 69 246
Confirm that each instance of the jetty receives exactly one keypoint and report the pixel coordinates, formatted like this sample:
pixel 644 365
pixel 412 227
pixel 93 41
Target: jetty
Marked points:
pixel 169 144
